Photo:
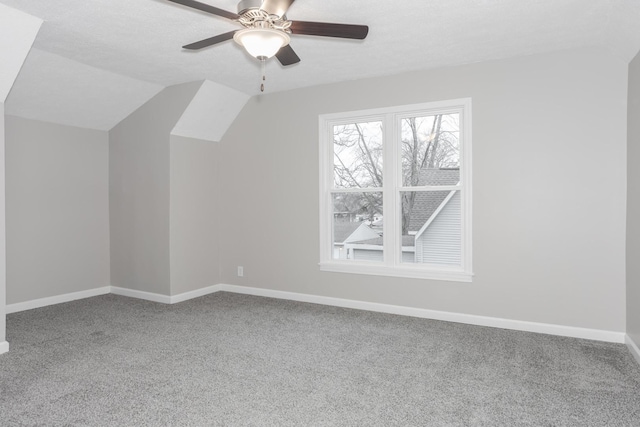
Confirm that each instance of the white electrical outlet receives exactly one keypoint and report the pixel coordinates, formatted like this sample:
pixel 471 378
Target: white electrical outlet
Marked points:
pixel 240 271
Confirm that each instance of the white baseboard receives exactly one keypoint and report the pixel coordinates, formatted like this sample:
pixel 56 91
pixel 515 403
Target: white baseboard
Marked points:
pixel 58 299
pixel 518 325
pixel 494 322
pixel 132 293
pixel 194 294
pixel 4 347
pixel 633 348
pixel 149 296
pixel 165 299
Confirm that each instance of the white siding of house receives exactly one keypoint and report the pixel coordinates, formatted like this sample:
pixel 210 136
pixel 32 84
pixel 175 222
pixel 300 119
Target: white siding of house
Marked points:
pixel 440 243
pixel 367 255
pixel 376 255
pixel 408 256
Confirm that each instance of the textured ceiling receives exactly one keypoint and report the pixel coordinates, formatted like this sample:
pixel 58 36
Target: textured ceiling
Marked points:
pixel 142 39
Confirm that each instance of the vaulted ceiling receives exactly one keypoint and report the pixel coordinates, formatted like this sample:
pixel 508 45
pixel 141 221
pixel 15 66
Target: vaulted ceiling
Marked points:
pixel 122 51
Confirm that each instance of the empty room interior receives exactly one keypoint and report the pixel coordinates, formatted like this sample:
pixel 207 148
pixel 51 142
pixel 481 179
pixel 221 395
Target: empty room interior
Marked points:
pixel 280 212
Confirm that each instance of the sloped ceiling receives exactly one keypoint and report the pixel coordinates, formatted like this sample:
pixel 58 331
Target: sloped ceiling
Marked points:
pixel 55 89
pixel 213 100
pixel 142 39
pixel 18 30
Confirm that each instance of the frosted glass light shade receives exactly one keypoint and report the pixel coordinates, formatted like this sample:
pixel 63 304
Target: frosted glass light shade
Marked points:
pixel 261 42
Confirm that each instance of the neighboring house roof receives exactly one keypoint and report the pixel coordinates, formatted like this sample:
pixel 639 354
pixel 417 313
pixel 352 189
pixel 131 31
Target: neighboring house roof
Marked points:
pixel 344 232
pixel 444 176
pixel 406 241
pixel 427 202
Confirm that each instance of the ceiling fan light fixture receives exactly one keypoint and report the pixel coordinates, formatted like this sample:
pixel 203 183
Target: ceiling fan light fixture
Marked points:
pixel 261 42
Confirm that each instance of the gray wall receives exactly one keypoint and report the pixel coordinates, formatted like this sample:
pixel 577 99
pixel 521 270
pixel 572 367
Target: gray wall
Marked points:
pixel 194 214
pixel 139 191
pixel 549 135
pixel 3 258
pixel 56 209
pixel 633 204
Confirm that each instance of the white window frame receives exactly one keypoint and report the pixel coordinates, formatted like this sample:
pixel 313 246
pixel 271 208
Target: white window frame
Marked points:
pixel 392 187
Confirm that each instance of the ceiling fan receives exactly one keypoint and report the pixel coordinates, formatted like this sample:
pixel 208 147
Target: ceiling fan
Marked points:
pixel 267 29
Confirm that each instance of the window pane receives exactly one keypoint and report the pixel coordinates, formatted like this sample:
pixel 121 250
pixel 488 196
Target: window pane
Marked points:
pixel 357 226
pixel 430 143
pixel 357 160
pixel 431 227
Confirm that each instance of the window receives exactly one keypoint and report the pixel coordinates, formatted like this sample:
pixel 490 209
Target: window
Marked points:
pixel 395 191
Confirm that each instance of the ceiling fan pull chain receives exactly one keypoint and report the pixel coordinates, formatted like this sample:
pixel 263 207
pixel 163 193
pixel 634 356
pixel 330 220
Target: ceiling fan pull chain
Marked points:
pixel 263 61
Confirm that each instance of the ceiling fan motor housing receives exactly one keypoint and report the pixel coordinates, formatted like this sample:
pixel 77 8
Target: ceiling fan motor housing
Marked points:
pixel 247 5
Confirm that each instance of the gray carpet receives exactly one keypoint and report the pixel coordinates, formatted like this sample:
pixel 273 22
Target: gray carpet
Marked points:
pixel 229 359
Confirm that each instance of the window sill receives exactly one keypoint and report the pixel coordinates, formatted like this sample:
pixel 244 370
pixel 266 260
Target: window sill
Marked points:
pixel 374 269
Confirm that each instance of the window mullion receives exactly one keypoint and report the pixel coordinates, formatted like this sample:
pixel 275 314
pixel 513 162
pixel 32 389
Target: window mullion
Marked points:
pixel 389 197
pixel 326 184
pixel 357 190
pixel 465 168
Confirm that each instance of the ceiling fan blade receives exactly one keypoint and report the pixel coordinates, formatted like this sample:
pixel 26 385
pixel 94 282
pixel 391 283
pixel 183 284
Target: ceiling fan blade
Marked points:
pixel 287 56
pixel 345 31
pixel 206 8
pixel 210 41
pixel 276 7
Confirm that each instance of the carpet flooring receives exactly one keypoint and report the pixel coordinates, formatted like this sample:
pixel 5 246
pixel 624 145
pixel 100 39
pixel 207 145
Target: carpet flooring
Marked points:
pixel 237 360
